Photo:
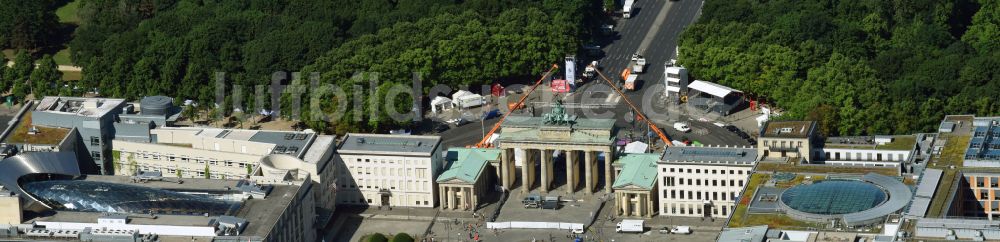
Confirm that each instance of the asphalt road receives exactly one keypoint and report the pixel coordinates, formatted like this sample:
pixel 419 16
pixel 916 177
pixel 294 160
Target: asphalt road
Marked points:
pixel 653 31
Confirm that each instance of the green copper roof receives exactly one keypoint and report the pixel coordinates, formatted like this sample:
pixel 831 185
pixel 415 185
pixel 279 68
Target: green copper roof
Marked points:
pixel 467 163
pixel 529 135
pixel 638 170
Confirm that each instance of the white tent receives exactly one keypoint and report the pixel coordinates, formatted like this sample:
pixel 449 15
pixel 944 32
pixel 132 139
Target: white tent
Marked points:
pixel 466 99
pixel 636 147
pixel 440 103
pixel 712 88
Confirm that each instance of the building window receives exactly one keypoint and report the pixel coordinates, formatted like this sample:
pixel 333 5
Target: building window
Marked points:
pixel 741 183
pixel 673 194
pixel 94 140
pixel 671 169
pixel 96 155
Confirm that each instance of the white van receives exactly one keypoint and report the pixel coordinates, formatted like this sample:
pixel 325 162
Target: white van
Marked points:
pixel 681 230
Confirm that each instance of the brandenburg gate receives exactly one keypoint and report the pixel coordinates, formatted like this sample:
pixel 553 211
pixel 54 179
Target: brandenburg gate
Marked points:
pixel 539 137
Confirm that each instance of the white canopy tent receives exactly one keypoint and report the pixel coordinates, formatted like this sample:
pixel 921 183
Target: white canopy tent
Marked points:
pixel 440 103
pixel 636 147
pixel 712 88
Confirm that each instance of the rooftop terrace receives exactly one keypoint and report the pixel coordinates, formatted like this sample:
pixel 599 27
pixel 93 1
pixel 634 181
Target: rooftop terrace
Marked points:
pixel 788 129
pixel 44 135
pixel 383 143
pixel 899 142
pixel 80 106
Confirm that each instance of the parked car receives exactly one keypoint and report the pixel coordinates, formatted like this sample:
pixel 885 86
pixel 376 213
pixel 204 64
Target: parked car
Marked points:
pixel 682 126
pixel 532 201
pixel 665 230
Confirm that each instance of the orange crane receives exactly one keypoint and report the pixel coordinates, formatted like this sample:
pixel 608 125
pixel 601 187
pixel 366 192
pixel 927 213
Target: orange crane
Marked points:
pixel 484 143
pixel 635 109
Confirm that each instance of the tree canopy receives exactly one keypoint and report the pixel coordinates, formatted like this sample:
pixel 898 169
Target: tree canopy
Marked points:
pixel 27 24
pixel 131 49
pixel 857 66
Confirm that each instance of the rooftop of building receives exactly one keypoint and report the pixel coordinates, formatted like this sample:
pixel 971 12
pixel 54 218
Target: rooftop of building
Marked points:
pixel 788 129
pixel 466 164
pixel 80 106
pixel 985 140
pixel 356 143
pixel 27 133
pixel 316 152
pixel 710 155
pixel 286 142
pixel 899 142
pixel 260 212
pixel 637 170
pixel 744 234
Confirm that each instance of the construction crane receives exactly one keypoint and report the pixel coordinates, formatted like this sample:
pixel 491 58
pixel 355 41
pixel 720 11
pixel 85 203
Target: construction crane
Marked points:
pixel 636 110
pixel 484 143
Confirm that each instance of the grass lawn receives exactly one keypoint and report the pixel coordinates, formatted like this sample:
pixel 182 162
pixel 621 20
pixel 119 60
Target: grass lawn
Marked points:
pixel 951 155
pixel 72 75
pixel 67 13
pixel 902 142
pixel 784 167
pixel 779 221
pixel 10 53
pixel 45 135
pixel 741 209
pixel 62 57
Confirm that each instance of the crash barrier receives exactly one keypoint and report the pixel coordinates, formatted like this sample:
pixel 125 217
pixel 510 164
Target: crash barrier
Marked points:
pixel 534 225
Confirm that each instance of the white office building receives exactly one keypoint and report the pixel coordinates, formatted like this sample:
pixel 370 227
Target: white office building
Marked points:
pixel 388 170
pixel 676 80
pixel 703 181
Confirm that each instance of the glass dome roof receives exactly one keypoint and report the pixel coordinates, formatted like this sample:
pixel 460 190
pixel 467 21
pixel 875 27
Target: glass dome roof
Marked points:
pixel 834 197
pixel 93 196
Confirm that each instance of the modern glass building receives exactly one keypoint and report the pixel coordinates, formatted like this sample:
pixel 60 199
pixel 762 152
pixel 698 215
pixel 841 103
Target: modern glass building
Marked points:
pixel 834 197
pixel 95 196
pixel 855 202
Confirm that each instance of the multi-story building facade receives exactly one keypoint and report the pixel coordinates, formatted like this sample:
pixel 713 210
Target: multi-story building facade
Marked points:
pixel 703 181
pixel 207 152
pixel 787 139
pixel 235 154
pixel 93 118
pixel 388 170
pixel 676 80
pixel 978 195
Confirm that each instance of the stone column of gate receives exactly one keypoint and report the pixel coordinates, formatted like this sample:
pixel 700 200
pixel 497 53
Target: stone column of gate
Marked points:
pixel 608 158
pixel 526 171
pixel 544 159
pixel 571 178
pixel 451 198
pixel 649 205
pixel 588 171
pixel 443 197
pixel 475 197
pixel 504 168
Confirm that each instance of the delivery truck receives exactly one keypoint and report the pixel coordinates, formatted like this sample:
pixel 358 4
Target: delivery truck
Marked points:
pixel 629 226
pixel 627 8
pixel 638 63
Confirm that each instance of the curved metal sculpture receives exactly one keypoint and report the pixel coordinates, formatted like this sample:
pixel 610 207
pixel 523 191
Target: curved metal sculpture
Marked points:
pixel 13 168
